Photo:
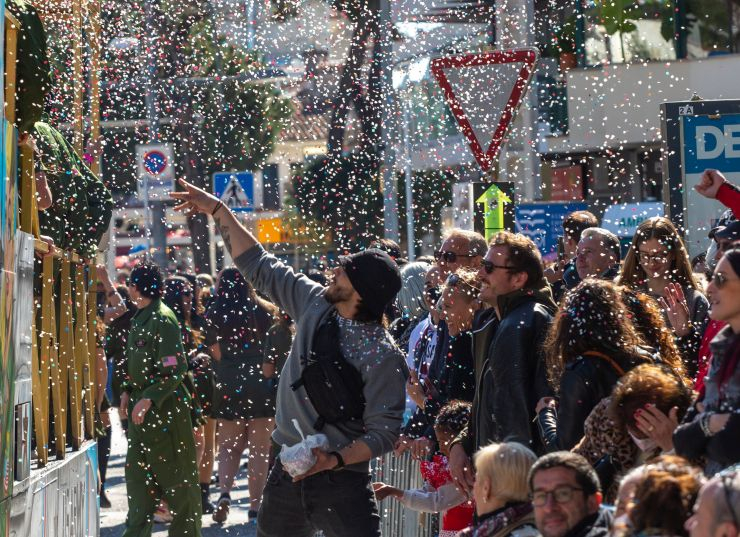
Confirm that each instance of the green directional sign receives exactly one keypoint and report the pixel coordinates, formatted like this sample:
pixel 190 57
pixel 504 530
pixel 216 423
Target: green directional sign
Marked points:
pixel 494 208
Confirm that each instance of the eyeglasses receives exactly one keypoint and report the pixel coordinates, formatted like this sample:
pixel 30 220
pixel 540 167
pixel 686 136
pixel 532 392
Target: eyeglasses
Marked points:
pixel 727 478
pixel 646 257
pixel 562 494
pixel 450 257
pixel 489 266
pixel 719 280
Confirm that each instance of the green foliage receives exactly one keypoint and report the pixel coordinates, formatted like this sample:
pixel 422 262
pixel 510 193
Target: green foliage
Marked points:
pixel 242 118
pixel 431 190
pixel 617 15
pixel 242 123
pixel 314 236
pixel 344 193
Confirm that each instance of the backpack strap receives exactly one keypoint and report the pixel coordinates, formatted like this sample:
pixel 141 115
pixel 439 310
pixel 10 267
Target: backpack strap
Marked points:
pixel 608 359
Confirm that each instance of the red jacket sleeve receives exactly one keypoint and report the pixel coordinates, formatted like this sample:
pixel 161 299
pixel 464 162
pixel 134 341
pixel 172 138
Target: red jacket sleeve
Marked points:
pixel 729 196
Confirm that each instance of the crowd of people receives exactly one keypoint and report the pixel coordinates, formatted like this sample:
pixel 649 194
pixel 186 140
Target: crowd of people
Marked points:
pixel 596 396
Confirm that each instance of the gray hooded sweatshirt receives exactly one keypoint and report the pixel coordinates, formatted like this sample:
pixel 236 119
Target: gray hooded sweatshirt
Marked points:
pixel 367 346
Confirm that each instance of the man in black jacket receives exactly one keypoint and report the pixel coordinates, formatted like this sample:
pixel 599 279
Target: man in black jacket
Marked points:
pixel 566 496
pixel 510 368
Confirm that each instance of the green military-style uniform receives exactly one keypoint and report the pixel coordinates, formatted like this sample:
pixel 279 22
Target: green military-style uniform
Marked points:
pixel 161 454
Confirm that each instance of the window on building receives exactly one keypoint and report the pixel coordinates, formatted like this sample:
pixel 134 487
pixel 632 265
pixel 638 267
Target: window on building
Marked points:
pixel 642 31
pixel 712 27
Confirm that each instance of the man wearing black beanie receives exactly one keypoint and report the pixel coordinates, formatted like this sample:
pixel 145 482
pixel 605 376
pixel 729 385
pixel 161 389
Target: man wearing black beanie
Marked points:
pixel 335 495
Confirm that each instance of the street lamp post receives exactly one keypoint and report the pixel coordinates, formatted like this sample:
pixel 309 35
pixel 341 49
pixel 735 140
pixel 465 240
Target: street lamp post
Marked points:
pixel 156 238
pixel 388 153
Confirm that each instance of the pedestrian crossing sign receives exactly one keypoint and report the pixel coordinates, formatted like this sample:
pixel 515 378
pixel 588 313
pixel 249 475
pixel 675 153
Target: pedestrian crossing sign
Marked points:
pixel 235 190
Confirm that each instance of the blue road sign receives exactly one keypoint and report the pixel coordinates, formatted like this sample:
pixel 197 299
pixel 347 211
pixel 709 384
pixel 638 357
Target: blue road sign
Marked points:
pixel 235 189
pixel 155 162
pixel 543 223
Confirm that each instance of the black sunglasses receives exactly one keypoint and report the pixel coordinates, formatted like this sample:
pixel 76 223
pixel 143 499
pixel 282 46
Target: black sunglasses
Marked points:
pixel 450 257
pixel 489 266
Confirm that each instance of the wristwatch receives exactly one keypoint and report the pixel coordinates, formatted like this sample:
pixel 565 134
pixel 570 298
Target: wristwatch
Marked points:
pixel 340 460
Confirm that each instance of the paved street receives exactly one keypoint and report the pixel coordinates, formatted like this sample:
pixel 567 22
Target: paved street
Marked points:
pixel 112 520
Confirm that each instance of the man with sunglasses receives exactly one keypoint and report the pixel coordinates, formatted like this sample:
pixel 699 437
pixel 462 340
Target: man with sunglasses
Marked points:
pixel 460 249
pixel 566 496
pixel 717 508
pixel 507 351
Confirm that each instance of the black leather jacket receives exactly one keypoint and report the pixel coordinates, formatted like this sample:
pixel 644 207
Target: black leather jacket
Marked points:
pixel 512 377
pixel 585 382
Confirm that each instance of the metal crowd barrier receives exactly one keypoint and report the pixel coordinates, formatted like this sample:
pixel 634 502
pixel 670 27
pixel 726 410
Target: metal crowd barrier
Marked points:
pixel 395 519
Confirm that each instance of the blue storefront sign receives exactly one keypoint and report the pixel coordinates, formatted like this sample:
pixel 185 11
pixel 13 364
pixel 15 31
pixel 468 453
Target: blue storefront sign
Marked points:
pixel 543 223
pixel 698 135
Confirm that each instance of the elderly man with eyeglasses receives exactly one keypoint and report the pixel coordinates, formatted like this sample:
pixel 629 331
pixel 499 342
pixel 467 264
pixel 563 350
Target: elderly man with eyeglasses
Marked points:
pixel 717 509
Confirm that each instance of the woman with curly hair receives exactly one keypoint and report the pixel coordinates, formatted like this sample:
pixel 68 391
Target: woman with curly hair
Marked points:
pixel 647 317
pixel 590 345
pixel 606 444
pixel 658 264
pixel 663 498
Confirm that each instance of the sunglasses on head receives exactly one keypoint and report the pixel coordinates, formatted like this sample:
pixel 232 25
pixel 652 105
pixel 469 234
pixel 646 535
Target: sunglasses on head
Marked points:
pixel 449 257
pixel 489 266
pixel 453 280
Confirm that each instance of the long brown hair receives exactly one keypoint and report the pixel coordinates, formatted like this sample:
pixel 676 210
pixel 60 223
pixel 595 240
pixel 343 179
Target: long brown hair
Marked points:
pixel 593 317
pixel 663 230
pixel 648 320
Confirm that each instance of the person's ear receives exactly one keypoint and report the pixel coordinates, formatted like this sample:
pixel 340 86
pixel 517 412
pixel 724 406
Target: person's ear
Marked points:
pixel 520 279
pixel 486 488
pixel 593 502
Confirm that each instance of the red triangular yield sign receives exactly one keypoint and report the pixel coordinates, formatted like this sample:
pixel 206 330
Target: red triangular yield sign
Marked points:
pixel 484 92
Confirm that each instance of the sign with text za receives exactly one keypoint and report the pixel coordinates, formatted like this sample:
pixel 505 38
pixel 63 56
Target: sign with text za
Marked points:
pixel 698 135
pixel 235 189
pixel 156 167
pixel 484 92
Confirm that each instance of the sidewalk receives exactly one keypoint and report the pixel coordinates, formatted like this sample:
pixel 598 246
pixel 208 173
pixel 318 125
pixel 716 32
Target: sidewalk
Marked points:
pixel 112 520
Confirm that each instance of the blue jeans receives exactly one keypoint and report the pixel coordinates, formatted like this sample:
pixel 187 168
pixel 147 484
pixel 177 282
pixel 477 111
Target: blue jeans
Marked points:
pixel 341 504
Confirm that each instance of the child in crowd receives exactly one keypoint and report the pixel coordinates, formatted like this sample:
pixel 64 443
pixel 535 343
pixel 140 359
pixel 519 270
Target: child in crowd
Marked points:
pixel 439 493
